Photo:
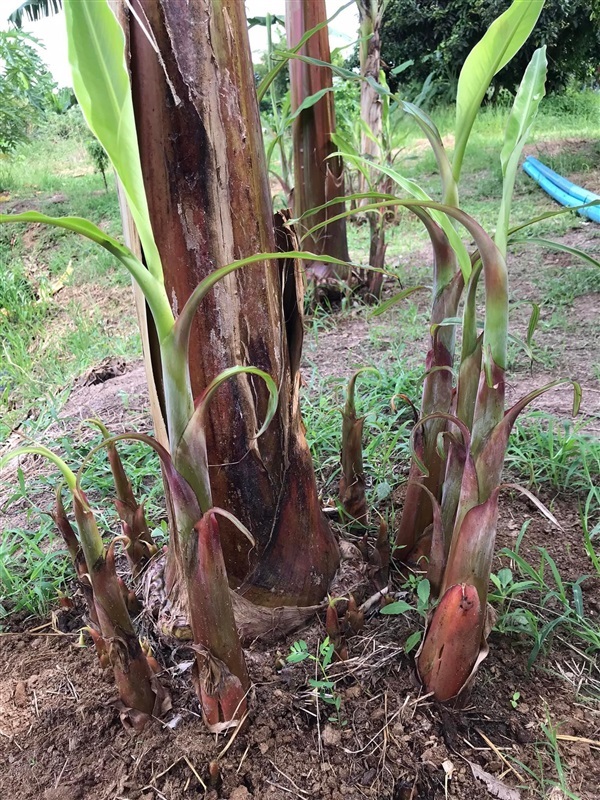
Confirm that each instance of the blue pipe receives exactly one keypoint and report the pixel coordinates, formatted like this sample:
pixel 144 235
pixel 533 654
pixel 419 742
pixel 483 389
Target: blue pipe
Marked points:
pixel 571 188
pixel 562 190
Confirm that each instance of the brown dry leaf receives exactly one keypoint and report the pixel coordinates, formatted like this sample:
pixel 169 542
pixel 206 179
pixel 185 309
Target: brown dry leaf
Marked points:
pixel 268 623
pixel 495 787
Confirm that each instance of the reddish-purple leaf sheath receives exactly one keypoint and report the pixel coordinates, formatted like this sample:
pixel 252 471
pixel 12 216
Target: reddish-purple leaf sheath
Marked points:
pixel 452 642
pixel 220 656
pixel 352 483
pixel 472 549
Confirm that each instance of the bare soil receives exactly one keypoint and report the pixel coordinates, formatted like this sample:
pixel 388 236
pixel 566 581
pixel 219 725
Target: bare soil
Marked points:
pixel 63 739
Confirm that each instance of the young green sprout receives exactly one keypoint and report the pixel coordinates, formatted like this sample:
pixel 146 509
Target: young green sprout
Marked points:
pixel 352 482
pixel 141 696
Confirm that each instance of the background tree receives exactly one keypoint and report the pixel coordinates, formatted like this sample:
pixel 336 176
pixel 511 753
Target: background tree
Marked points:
pixel 370 14
pixel 317 178
pixel 34 10
pixel 25 85
pixel 439 34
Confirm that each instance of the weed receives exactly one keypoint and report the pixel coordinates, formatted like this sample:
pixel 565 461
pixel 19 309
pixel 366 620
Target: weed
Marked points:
pixel 591 530
pixel 548 748
pixel 561 287
pixel 553 453
pixel 323 686
pixel 541 605
pixel 422 588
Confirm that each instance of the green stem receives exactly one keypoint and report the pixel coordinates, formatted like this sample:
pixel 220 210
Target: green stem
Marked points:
pixel 189 457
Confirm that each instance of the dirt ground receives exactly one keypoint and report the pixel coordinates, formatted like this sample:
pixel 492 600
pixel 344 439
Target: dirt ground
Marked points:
pixel 61 739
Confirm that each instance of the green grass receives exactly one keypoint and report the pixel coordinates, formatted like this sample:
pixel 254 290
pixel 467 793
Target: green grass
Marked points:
pixel 32 571
pixel 560 287
pixel 386 429
pixel 535 602
pixel 555 454
pixel 47 341
pixel 551 773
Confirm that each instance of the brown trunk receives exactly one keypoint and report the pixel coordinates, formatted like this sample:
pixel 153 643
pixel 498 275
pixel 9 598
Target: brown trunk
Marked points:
pixel 205 178
pixel 377 248
pixel 317 178
pixel 370 14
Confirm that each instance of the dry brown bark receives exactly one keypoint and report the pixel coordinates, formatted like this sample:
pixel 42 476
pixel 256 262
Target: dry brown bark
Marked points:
pixel 317 178
pixel 205 177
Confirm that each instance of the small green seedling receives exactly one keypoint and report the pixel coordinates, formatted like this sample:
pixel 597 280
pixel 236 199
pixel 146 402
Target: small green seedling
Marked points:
pixel 514 700
pixel 423 589
pixel 324 687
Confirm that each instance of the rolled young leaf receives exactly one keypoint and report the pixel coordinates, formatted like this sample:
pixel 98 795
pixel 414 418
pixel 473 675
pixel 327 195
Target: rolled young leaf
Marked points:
pixel 96 46
pixel 352 482
pixel 61 520
pixel 503 39
pixel 521 119
pixel 139 545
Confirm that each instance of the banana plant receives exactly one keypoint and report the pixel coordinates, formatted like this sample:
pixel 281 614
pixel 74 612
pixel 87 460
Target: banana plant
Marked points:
pixel 198 590
pixel 370 16
pixel 317 177
pixel 428 470
pixel 101 82
pixel 280 111
pixel 458 546
pixel 352 482
pixel 139 544
pixel 141 695
pixel 385 143
pixel 208 201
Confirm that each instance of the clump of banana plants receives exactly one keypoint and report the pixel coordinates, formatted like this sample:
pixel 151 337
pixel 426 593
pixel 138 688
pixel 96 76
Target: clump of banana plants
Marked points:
pixel 458 558
pixel 195 575
pixel 141 695
pixel 449 520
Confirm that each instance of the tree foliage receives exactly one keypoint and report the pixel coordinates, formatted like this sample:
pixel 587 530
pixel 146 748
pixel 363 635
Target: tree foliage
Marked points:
pixel 34 10
pixel 25 85
pixel 439 34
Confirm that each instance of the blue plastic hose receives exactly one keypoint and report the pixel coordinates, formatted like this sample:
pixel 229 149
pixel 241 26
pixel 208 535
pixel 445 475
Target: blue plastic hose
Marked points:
pixel 563 183
pixel 563 191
